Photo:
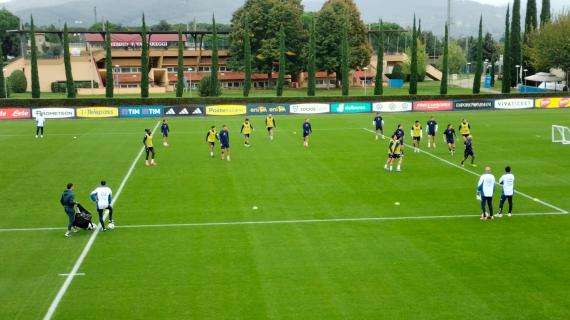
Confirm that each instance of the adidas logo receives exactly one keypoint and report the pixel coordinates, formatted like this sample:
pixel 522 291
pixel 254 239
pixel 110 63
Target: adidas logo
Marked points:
pixel 184 111
pixel 170 111
pixel 197 111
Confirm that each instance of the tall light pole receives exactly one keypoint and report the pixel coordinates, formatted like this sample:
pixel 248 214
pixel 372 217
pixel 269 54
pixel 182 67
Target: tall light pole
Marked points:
pixel 190 80
pixel 117 70
pixel 365 79
pixel 449 17
pixel 518 68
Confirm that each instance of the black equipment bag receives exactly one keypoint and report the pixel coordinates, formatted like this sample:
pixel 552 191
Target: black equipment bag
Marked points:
pixel 82 218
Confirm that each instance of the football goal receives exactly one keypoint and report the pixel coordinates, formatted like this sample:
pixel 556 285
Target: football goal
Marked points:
pixel 560 134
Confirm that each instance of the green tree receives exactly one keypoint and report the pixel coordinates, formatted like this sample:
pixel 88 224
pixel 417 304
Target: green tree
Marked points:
pixel 545 13
pixel 395 39
pixel 214 82
pixel 144 60
pixel 103 26
pixel 414 61
pixel 69 83
pixel 378 80
pixel 282 63
pixel 18 82
pixel 552 45
pixel 247 59
pixel 516 43
pixel 180 67
pixel 162 25
pixel 312 61
pixel 264 18
pixel 9 42
pixel 445 63
pixel 530 23
pixel 3 85
pixel 493 62
pixel 456 58
pixel 479 62
pixel 345 53
pixel 330 26
pixel 109 82
pixel 34 61
pixel 506 84
pixel 206 86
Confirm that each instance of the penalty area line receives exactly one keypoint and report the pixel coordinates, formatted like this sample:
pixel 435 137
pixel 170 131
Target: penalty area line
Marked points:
pixel 69 278
pixel 551 206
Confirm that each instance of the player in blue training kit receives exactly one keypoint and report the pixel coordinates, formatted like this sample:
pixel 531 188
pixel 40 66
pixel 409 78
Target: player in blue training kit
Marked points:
pixel 431 131
pixel 307 130
pixel 449 136
pixel 379 125
pixel 399 133
pixel 165 130
pixel 469 152
pixel 224 137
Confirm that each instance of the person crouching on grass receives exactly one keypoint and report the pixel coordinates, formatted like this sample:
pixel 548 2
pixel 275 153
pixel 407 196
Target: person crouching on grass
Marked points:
pixel 149 148
pixel 67 200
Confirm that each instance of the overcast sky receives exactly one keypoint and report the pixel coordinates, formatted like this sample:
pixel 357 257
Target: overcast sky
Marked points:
pixel 495 2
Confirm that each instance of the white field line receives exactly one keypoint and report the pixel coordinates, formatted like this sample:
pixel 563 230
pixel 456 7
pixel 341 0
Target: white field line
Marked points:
pixel 297 221
pixel 87 248
pixel 67 274
pixel 551 206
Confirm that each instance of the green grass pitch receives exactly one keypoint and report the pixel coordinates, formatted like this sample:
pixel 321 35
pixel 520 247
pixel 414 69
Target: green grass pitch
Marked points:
pixel 181 251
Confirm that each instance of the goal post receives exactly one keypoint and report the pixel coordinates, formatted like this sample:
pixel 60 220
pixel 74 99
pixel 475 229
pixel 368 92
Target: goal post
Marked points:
pixel 560 134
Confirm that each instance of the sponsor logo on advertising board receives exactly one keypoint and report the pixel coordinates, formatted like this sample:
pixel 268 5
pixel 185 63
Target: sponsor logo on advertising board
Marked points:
pixel 97 112
pixel 552 103
pixel 473 104
pixel 15 113
pixel 514 104
pixel 267 108
pixel 140 111
pixel 226 110
pixel 392 106
pixel 54 113
pixel 185 111
pixel 309 108
pixel 351 107
pixel 433 105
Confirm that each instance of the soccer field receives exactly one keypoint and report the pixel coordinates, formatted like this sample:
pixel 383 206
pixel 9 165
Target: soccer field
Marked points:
pixel 326 242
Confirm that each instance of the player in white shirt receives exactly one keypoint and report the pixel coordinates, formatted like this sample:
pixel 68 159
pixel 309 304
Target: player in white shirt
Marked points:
pixel 485 189
pixel 102 196
pixel 40 122
pixel 508 182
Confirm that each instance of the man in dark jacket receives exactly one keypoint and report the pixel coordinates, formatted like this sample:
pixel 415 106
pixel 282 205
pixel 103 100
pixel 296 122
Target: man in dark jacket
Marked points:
pixel 68 202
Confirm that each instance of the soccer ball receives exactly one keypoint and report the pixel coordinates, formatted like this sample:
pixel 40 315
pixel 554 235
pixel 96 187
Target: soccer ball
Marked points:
pixel 111 226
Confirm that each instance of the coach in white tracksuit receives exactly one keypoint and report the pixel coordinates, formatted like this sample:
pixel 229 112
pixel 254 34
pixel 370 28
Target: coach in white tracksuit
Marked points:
pixel 485 189
pixel 40 122
pixel 102 195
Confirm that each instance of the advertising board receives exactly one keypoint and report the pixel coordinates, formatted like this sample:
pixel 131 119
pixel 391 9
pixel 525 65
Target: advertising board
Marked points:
pixel 351 107
pixel 54 113
pixel 552 103
pixel 514 104
pixel 140 111
pixel 226 110
pixel 267 108
pixel 433 105
pixel 184 111
pixel 309 108
pixel 485 104
pixel 15 113
pixel 392 106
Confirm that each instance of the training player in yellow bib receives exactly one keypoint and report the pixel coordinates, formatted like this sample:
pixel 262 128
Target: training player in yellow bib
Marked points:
pixel 464 129
pixel 149 148
pixel 246 129
pixel 211 137
pixel 270 125
pixel 394 152
pixel 416 135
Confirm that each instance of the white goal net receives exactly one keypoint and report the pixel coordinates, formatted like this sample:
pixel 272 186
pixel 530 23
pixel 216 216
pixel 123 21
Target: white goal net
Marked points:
pixel 560 134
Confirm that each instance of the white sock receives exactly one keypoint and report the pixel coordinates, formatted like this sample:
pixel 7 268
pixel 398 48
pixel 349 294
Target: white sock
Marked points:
pixel 398 168
pixel 229 158
pixel 390 168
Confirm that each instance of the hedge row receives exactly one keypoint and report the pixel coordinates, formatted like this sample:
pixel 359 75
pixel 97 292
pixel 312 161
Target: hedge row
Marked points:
pixel 228 100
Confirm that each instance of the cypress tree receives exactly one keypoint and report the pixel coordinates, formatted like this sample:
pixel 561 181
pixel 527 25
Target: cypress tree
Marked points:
pixel 247 59
pixel 109 83
pixel 180 69
pixel 445 69
pixel 479 63
pixel 344 58
pixel 378 88
pixel 312 67
pixel 516 44
pixel 34 61
pixel 414 61
pixel 144 60
pixel 281 76
pixel 69 84
pixel 530 23
pixel 3 91
pixel 506 84
pixel 545 13
pixel 214 82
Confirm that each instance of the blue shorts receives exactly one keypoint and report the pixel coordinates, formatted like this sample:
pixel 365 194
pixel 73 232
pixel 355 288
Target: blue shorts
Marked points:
pixel 450 141
pixel 306 134
pixel 225 146
pixel 165 134
pixel 379 128
pixel 431 133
